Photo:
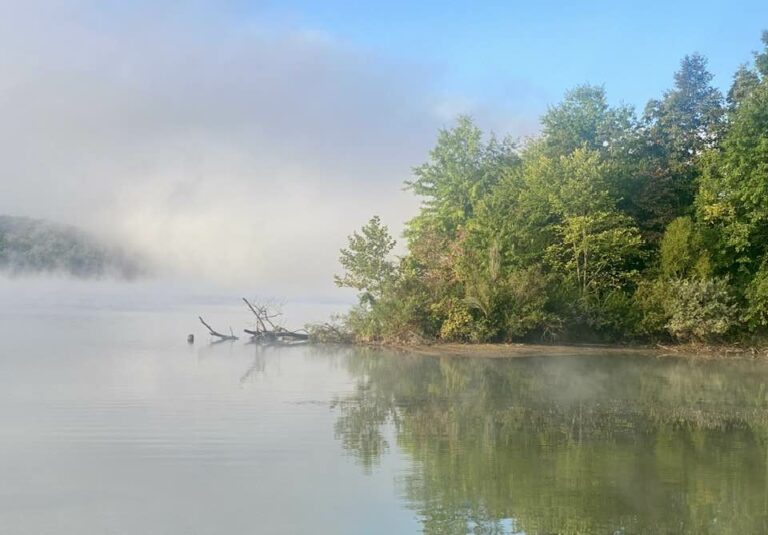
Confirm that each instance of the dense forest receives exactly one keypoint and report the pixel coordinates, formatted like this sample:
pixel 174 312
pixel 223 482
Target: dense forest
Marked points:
pixel 33 246
pixel 608 226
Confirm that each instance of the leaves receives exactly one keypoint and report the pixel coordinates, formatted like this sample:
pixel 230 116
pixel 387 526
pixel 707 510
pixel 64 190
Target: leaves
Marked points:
pixel 604 227
pixel 365 261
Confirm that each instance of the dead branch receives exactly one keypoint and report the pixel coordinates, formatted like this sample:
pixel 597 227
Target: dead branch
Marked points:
pixel 213 332
pixel 267 330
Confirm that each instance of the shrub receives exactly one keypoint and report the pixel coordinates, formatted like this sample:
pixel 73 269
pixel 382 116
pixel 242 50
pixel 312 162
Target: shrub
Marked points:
pixel 756 314
pixel 650 300
pixel 458 324
pixel 699 309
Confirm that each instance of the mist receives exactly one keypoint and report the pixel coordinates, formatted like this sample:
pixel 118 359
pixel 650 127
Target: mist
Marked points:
pixel 236 149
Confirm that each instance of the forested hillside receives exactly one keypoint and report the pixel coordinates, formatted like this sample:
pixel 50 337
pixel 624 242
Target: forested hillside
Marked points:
pixel 611 225
pixel 34 246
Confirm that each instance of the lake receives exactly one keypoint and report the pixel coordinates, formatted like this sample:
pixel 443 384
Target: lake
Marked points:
pixel 110 423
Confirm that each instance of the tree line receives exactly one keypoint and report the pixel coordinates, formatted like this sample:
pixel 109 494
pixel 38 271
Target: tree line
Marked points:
pixel 608 226
pixel 33 246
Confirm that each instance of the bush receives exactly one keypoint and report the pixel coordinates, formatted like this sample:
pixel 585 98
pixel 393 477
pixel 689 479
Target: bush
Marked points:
pixel 756 315
pixel 336 331
pixel 699 309
pixel 650 300
pixel 458 324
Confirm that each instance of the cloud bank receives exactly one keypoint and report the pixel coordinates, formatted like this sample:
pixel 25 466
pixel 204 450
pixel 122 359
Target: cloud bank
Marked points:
pixel 222 145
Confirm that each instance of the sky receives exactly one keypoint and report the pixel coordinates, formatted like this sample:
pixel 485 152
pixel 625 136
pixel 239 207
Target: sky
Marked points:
pixel 242 142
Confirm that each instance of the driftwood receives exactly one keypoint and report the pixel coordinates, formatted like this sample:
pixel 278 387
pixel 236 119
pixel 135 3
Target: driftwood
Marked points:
pixel 267 330
pixel 230 336
pixel 278 335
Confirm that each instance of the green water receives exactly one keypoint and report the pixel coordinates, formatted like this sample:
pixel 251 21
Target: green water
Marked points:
pixel 111 423
pixel 609 444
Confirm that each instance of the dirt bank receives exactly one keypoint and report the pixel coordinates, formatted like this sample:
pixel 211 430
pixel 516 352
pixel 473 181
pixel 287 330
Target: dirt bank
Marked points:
pixel 532 350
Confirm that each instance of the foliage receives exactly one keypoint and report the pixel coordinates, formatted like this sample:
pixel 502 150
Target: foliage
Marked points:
pixel 365 262
pixel 659 172
pixel 745 81
pixel 650 299
pixel 605 227
pixel 699 310
pixel 336 331
pixel 459 325
pixel 689 118
pixel 682 252
pixel 733 197
pixel 756 314
pixel 29 246
pixel 584 119
pixel 462 170
pixel 597 251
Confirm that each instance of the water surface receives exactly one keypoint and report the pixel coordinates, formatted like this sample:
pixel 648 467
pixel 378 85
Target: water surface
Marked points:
pixel 111 423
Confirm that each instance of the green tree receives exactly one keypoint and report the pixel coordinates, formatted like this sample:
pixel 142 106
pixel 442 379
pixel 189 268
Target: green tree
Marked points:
pixel 597 251
pixel 461 170
pixel 366 263
pixel 584 119
pixel 733 197
pixel 745 81
pixel 681 252
pixel 603 221
pixel 678 129
pixel 761 58
pixel 689 118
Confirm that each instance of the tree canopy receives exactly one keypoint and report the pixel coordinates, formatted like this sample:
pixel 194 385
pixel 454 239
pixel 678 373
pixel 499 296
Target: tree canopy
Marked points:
pixel 605 227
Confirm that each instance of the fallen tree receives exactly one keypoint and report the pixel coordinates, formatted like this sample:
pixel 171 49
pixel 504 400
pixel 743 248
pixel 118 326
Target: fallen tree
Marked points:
pixel 267 330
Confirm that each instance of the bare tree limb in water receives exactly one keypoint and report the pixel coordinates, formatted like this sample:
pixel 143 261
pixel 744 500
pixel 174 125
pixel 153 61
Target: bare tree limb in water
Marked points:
pixel 266 329
pixel 213 332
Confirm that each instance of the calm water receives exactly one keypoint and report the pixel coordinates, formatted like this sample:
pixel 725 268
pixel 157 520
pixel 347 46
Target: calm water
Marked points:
pixel 111 424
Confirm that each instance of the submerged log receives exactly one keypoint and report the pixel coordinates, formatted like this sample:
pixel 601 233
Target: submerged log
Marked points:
pixel 277 335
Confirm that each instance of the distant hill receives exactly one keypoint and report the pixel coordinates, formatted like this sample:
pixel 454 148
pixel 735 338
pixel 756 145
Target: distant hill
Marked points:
pixel 34 246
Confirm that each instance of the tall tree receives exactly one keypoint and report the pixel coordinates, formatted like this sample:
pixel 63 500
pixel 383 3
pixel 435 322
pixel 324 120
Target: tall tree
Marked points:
pixel 461 170
pixel 745 81
pixel 734 190
pixel 678 129
pixel 689 118
pixel 761 58
pixel 584 119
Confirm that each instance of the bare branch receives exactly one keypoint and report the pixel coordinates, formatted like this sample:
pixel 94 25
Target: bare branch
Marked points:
pixel 216 333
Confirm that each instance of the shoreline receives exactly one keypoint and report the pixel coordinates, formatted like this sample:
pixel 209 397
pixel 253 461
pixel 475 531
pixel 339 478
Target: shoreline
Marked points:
pixel 523 350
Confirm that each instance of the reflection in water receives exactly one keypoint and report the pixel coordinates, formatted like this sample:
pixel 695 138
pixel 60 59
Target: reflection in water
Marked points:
pixel 258 366
pixel 112 423
pixel 567 445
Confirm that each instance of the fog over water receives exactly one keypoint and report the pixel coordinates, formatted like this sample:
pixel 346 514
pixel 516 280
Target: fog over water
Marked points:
pixel 240 148
pixel 185 299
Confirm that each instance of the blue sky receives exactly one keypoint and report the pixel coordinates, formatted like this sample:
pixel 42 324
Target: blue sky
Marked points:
pixel 533 51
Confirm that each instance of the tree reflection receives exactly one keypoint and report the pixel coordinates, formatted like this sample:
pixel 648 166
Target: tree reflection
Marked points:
pixel 567 445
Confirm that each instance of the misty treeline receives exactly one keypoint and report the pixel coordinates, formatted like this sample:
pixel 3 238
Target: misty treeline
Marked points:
pixel 609 226
pixel 33 246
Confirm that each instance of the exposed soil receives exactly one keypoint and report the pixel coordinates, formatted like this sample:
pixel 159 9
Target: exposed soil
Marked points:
pixel 532 350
